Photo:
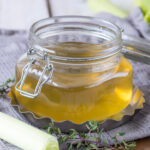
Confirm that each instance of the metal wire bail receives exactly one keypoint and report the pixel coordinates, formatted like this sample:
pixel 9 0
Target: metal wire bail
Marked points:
pixel 48 67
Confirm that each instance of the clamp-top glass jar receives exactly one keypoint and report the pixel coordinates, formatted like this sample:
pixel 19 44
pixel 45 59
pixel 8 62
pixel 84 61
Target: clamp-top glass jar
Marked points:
pixel 74 71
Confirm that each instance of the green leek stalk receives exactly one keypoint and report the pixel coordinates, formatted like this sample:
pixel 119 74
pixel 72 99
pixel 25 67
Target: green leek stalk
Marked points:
pixel 25 136
pixel 145 6
pixel 106 6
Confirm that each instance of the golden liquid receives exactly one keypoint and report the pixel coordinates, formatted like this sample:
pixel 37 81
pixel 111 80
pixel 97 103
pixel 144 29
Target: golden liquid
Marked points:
pixel 80 103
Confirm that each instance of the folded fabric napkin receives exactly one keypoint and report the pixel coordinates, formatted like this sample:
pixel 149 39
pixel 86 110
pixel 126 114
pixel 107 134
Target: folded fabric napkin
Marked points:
pixel 14 43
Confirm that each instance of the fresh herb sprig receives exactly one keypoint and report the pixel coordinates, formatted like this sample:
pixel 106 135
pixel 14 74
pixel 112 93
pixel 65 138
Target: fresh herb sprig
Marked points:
pixel 86 141
pixel 5 87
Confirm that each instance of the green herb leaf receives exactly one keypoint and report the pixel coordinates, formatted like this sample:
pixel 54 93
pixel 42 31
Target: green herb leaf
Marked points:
pixel 70 147
pixel 93 146
pixel 79 145
pixel 121 133
pixel 5 87
pixel 87 126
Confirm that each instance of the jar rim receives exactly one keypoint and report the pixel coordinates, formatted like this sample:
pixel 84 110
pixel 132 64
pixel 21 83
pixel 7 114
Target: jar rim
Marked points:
pixel 112 26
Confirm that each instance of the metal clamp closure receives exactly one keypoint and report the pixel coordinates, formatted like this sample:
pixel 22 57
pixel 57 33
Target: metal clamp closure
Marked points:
pixel 48 67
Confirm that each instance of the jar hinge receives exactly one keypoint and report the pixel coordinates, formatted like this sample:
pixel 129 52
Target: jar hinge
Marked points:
pixel 48 67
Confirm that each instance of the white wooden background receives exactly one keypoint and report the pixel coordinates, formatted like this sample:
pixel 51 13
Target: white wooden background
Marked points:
pixel 21 14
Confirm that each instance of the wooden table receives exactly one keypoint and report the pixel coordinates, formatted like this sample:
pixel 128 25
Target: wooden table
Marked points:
pixel 21 14
pixel 143 144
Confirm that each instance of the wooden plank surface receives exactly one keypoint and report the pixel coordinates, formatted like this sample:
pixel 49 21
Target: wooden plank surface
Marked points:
pixel 143 144
pixel 69 7
pixel 21 14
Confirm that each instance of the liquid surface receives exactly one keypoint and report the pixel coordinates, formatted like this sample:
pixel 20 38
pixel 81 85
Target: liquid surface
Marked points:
pixel 79 103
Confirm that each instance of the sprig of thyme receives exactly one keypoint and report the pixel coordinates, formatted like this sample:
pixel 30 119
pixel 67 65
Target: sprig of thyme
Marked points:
pixel 86 141
pixel 5 87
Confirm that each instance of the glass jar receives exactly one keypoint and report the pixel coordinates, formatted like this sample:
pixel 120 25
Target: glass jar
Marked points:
pixel 74 70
